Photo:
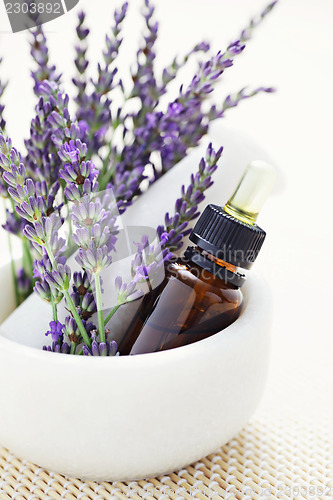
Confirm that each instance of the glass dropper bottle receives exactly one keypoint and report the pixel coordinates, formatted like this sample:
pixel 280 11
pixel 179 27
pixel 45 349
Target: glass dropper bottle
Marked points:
pixel 200 294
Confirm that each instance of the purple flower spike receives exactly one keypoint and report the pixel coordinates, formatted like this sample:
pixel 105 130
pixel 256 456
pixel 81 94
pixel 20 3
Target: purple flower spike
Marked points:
pixel 186 207
pixel 40 54
pixel 94 107
pixel 101 348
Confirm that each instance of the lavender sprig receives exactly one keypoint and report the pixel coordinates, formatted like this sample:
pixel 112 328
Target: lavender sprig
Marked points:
pixel 145 86
pixel 247 32
pixel 171 71
pixel 3 86
pixel 81 61
pixel 40 54
pixel 95 236
pixel 95 107
pixel 175 227
pixel 232 100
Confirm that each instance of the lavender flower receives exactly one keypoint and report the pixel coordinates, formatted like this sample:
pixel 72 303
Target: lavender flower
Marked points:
pixel 145 85
pixel 56 347
pixel 232 100
pixel 72 332
pixel 107 348
pixel 129 292
pixel 56 330
pixel 170 72
pixel 94 108
pixel 60 278
pixel 81 62
pixel 81 283
pixel 3 86
pixel 40 54
pixel 88 306
pixel 43 290
pixel 42 160
pixel 186 207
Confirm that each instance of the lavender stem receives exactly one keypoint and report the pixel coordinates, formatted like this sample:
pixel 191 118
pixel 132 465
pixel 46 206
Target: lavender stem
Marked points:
pixel 69 301
pixel 77 318
pixel 54 310
pixel 111 313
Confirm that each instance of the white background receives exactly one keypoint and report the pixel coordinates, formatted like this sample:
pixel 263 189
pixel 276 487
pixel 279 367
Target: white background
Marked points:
pixel 292 51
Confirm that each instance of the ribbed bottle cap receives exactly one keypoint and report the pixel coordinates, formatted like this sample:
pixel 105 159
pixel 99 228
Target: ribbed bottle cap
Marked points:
pixel 228 238
pixel 231 233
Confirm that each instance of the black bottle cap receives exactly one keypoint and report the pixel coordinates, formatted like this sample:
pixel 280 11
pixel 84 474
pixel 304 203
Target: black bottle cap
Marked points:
pixel 228 238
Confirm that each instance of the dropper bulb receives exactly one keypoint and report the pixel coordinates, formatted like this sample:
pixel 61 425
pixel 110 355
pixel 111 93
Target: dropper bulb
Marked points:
pixel 252 191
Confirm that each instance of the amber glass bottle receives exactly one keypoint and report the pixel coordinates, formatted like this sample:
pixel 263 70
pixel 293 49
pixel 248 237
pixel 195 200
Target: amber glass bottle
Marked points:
pixel 200 294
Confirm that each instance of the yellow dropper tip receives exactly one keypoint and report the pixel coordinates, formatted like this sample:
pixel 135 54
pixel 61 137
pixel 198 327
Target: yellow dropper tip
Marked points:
pixel 251 192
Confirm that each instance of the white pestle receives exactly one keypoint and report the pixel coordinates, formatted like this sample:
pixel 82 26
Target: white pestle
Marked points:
pixel 28 322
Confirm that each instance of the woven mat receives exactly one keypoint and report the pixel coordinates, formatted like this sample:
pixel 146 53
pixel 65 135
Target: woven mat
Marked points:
pixel 264 461
pixel 286 451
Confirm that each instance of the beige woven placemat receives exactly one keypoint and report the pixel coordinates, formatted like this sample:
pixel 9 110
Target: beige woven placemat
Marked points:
pixel 286 451
pixel 265 461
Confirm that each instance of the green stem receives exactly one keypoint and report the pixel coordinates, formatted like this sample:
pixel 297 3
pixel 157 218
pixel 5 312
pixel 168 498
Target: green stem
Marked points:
pixel 13 270
pixel 73 347
pixel 51 256
pixel 77 318
pixel 99 305
pixel 69 301
pixel 111 313
pixel 54 310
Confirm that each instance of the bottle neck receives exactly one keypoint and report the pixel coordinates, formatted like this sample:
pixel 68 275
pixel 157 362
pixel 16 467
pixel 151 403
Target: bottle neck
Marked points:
pixel 220 268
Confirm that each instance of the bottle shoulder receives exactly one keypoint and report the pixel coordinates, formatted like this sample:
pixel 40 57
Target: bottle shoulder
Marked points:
pixel 202 281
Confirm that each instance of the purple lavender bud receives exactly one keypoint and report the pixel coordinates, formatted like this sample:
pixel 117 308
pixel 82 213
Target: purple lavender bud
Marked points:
pixel 58 347
pixel 113 347
pixel 70 327
pixel 235 48
pixel 88 305
pixel 39 52
pixel 72 192
pixel 81 282
pixel 31 233
pixel 65 349
pixel 16 176
pixel 94 348
pixel 86 351
pixel 103 351
pixel 59 279
pixel 94 260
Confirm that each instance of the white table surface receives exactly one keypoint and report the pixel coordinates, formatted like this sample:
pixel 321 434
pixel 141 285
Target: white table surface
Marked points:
pixel 292 51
